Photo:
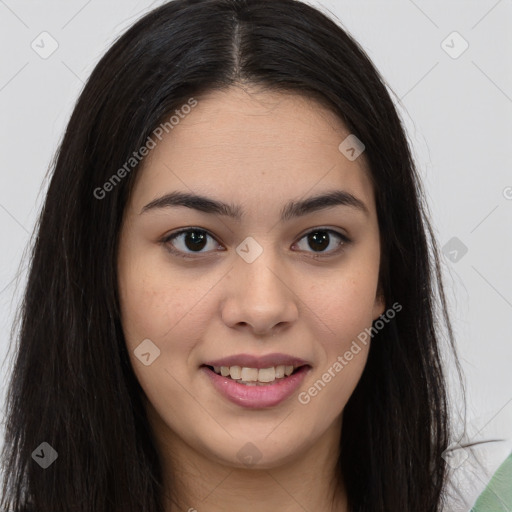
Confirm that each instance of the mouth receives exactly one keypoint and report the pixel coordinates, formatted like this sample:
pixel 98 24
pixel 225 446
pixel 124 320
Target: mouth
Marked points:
pixel 256 376
pixel 259 386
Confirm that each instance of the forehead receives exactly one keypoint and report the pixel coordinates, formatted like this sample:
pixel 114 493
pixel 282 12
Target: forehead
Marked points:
pixel 259 147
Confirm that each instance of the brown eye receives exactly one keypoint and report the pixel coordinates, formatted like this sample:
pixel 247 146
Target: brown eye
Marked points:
pixel 321 239
pixel 188 241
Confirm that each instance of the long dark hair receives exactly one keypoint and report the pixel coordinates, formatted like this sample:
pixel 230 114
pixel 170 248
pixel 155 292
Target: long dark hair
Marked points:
pixel 72 384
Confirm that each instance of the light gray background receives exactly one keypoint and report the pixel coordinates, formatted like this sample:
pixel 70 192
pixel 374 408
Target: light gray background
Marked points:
pixel 458 113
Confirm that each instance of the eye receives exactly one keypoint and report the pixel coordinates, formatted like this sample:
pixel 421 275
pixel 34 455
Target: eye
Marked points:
pixel 196 239
pixel 192 239
pixel 320 239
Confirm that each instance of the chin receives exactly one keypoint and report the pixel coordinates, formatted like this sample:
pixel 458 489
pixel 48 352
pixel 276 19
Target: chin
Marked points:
pixel 259 452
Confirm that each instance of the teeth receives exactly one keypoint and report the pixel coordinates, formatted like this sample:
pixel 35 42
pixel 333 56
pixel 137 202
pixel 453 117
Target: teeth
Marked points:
pixel 267 374
pixel 280 372
pixel 235 372
pixel 254 376
pixel 248 374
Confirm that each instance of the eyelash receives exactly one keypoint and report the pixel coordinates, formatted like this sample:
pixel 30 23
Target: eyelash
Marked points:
pixel 166 241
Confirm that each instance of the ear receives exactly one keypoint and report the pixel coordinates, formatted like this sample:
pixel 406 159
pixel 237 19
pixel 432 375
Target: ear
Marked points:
pixel 380 303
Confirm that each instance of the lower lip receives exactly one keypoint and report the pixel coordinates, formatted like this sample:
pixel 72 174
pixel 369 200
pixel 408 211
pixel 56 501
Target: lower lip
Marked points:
pixel 256 397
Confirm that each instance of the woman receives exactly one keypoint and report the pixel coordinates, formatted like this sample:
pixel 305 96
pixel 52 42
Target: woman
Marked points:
pixel 233 296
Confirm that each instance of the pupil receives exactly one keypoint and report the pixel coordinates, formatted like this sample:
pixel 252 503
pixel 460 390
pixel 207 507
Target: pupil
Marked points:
pixel 321 239
pixel 198 238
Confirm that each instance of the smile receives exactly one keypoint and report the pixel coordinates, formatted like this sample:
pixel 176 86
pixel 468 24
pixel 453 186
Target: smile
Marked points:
pixel 256 388
pixel 255 376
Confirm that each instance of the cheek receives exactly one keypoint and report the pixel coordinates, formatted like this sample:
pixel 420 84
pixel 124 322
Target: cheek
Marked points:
pixel 170 308
pixel 156 309
pixel 343 310
pixel 152 306
pixel 344 303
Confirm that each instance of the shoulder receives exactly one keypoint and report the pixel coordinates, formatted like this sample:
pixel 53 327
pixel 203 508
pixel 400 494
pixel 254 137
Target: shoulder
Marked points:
pixel 479 479
pixel 498 493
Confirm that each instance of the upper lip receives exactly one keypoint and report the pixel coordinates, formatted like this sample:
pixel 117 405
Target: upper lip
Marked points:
pixel 252 361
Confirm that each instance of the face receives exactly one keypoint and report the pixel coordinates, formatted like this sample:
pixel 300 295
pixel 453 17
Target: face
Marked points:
pixel 276 286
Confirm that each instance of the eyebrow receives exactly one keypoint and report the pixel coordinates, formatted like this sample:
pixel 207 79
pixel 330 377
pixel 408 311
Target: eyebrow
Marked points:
pixel 291 210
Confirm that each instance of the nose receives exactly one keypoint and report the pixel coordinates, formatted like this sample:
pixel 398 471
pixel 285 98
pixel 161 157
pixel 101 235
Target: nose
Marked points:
pixel 259 297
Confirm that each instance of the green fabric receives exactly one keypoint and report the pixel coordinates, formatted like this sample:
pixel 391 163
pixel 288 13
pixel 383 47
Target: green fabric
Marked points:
pixel 497 496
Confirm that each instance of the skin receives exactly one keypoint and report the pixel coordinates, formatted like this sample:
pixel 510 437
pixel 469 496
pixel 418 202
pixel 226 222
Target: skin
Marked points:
pixel 250 148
